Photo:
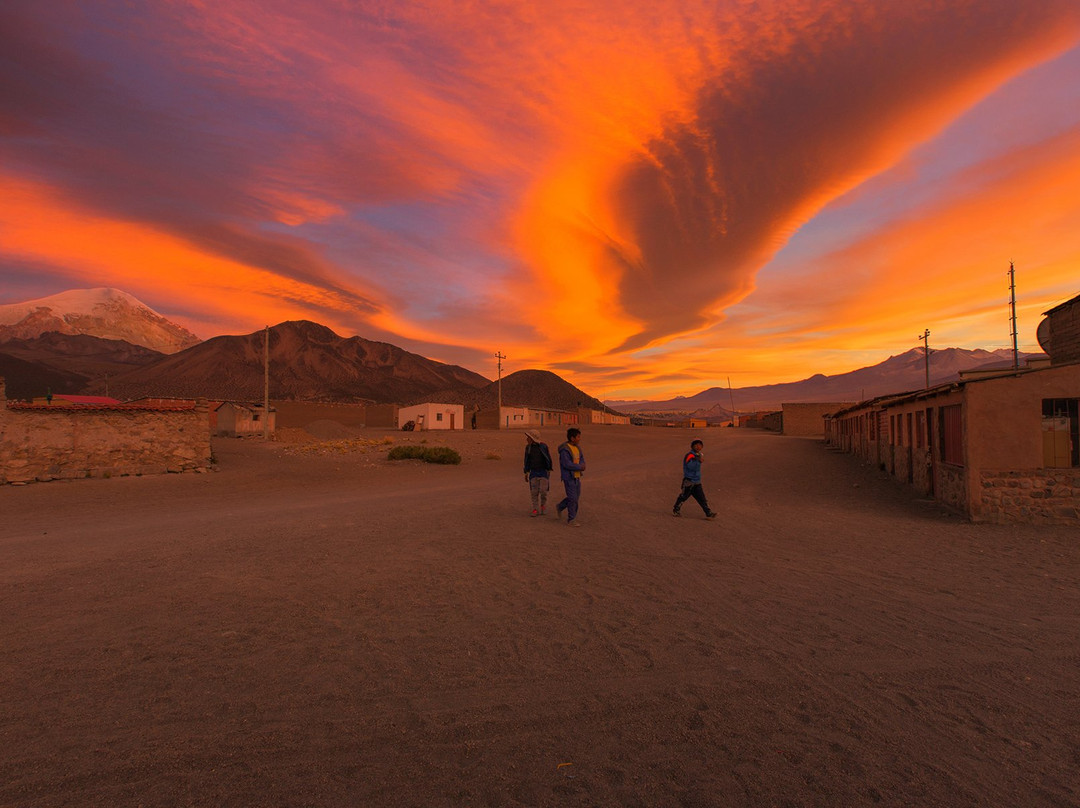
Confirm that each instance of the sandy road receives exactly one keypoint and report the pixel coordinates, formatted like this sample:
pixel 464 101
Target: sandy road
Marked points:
pixel 306 628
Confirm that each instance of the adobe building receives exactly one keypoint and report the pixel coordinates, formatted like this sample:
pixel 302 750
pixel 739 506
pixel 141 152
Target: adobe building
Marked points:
pixel 808 419
pixel 236 420
pixel 1000 447
pixel 431 416
pixel 41 442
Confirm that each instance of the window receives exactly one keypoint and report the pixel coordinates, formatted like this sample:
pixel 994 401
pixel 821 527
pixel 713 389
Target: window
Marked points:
pixel 892 429
pixel 1061 433
pixel 920 429
pixel 438 416
pixel 952 435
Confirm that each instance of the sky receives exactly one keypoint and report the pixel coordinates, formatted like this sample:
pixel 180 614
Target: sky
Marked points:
pixel 647 198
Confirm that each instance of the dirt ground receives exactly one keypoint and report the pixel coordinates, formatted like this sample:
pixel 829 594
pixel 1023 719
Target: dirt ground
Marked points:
pixel 314 625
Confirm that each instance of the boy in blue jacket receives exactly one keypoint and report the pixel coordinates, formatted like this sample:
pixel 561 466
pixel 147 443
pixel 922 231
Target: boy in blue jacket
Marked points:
pixel 691 484
pixel 571 467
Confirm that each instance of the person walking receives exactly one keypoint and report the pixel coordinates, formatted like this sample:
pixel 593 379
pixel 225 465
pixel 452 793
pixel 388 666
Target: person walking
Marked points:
pixel 691 484
pixel 537 470
pixel 571 467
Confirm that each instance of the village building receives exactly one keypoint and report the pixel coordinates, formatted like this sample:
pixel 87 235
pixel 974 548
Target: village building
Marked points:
pixel 807 420
pixel 524 417
pixel 431 416
pixel 1001 446
pixel 591 416
pixel 41 442
pixel 238 420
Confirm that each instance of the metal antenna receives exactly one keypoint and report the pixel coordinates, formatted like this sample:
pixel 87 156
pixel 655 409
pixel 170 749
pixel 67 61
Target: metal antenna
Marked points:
pixel 925 337
pixel 1012 309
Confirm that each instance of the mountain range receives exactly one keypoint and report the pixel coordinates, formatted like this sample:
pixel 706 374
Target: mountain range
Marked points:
pixel 308 362
pixel 78 352
pixel 897 374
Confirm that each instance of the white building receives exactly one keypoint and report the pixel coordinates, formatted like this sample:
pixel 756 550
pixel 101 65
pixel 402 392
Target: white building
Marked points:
pixel 432 416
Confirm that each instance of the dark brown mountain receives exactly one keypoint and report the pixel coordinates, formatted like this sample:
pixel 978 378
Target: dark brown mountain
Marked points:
pixel 24 380
pixel 308 362
pixel 67 363
pixel 524 388
pixel 897 374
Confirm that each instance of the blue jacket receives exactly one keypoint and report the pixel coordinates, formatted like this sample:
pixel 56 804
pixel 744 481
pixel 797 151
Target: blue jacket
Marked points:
pixel 547 461
pixel 691 467
pixel 567 466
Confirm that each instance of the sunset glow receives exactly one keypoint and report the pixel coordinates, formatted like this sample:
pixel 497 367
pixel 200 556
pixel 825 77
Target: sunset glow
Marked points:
pixel 646 198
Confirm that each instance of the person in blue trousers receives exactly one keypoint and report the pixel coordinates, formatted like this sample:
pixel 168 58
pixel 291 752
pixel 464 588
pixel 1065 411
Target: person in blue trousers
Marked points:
pixel 571 467
pixel 691 484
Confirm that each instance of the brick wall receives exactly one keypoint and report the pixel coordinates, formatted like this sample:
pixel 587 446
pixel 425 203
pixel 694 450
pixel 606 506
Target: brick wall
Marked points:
pixel 1040 496
pixel 48 443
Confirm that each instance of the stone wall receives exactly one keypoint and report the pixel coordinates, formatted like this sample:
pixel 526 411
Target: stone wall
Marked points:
pixel 952 486
pixel 1040 496
pixel 39 442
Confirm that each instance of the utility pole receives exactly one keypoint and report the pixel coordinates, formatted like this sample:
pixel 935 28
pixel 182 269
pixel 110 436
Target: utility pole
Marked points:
pixel 925 337
pixel 1012 309
pixel 266 384
pixel 500 357
pixel 731 396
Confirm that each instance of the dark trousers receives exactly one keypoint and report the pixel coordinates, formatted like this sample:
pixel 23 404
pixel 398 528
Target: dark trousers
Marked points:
pixel 692 489
pixel 573 494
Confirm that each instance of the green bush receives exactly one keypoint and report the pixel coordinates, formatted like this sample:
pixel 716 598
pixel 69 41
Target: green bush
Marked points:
pixel 436 454
pixel 406 453
pixel 442 454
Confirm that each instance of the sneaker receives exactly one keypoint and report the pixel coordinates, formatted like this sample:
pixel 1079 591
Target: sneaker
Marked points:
pixel 711 515
pixel 559 509
pixel 573 523
pixel 675 512
pixel 535 512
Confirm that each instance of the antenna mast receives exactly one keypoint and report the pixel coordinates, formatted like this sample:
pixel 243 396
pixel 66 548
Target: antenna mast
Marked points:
pixel 925 337
pixel 1012 317
pixel 500 357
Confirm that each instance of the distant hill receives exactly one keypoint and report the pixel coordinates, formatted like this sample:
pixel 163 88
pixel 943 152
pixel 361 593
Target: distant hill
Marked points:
pixel 66 363
pixel 308 362
pixel 524 388
pixel 105 313
pixel 24 380
pixel 896 374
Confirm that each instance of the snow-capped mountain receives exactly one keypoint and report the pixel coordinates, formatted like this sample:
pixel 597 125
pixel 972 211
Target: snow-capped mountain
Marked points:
pixel 105 313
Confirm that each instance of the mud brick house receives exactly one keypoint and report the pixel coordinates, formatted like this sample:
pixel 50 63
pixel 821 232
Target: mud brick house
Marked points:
pixel 47 442
pixel 808 419
pixel 238 420
pixel 1001 447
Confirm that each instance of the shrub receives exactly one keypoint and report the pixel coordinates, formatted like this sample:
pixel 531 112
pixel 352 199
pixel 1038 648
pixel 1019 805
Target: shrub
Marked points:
pixel 442 454
pixel 406 453
pixel 436 454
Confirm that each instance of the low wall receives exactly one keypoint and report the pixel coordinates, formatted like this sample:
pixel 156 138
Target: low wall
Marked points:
pixel 1039 496
pixel 299 414
pixel 48 443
